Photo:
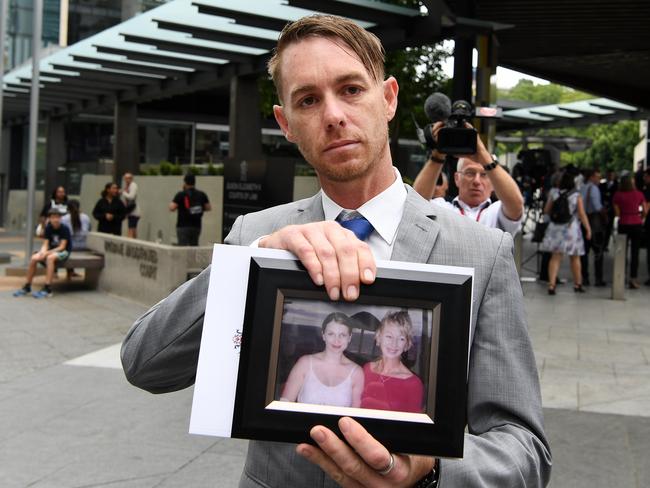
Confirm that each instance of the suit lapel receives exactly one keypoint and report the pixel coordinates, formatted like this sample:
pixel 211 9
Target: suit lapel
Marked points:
pixel 310 211
pixel 418 231
pixel 416 234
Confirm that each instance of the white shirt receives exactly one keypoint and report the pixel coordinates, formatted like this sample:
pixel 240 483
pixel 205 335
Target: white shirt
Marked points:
pixel 129 195
pixel 384 212
pixel 487 213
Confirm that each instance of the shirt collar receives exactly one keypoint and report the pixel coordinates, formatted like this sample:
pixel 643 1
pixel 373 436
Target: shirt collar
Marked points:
pixel 459 203
pixel 384 211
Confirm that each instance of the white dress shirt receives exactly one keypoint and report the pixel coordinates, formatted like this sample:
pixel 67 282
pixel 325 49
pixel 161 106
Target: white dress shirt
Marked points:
pixel 487 213
pixel 383 211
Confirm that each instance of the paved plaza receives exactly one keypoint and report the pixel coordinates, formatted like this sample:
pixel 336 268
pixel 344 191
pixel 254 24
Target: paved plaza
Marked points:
pixel 69 419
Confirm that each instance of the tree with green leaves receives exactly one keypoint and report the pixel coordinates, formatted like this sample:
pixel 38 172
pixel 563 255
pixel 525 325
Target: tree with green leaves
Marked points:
pixel 549 94
pixel 612 144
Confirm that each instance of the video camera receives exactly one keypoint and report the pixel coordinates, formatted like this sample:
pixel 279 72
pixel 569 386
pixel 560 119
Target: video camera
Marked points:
pixel 454 138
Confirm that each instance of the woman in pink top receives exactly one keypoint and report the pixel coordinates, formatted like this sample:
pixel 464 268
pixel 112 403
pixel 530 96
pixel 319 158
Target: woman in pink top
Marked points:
pixel 327 377
pixel 631 208
pixel 388 383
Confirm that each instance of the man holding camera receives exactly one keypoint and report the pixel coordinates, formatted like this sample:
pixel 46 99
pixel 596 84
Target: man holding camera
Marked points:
pixel 476 176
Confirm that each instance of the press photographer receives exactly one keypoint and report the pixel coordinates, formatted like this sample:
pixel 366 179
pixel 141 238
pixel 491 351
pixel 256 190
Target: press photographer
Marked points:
pixel 477 172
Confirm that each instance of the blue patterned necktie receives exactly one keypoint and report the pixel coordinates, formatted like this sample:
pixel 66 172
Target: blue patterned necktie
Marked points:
pixel 355 222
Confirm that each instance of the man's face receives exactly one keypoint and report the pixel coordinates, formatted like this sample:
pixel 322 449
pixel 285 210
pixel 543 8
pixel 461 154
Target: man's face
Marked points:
pixel 55 220
pixel 646 178
pixel 474 186
pixel 334 111
pixel 596 177
pixel 128 178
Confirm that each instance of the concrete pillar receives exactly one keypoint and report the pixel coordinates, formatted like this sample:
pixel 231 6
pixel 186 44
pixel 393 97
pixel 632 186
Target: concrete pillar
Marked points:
pixel 55 153
pixel 245 124
pixel 462 88
pixel 619 271
pixel 485 96
pixel 126 150
pixel 464 44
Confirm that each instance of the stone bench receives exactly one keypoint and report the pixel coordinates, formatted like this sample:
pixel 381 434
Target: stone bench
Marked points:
pixel 91 262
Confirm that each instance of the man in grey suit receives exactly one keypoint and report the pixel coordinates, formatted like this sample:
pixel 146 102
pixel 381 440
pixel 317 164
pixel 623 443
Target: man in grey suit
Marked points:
pixel 336 106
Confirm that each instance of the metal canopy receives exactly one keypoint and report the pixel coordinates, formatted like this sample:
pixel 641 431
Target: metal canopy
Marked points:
pixel 585 112
pixel 187 45
pixel 599 46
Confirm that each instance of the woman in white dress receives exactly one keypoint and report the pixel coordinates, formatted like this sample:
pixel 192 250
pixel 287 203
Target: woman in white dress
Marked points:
pixel 327 377
pixel 566 238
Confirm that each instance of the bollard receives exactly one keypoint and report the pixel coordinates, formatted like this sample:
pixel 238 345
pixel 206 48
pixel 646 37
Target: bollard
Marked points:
pixel 618 273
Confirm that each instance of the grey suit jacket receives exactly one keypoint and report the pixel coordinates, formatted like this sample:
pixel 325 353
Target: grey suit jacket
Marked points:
pixel 505 444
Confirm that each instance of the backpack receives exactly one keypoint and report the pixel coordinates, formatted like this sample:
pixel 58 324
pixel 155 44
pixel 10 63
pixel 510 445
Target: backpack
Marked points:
pixel 560 212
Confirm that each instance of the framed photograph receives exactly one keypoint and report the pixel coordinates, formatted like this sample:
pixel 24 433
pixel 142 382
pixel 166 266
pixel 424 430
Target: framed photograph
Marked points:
pixel 395 359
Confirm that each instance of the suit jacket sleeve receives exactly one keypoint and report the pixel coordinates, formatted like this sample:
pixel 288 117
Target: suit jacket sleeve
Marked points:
pixel 505 444
pixel 160 352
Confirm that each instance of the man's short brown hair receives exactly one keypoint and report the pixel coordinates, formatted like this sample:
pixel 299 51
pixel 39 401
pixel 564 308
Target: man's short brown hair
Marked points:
pixel 363 43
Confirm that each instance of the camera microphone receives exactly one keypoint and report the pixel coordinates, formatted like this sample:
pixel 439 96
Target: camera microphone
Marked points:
pixel 437 107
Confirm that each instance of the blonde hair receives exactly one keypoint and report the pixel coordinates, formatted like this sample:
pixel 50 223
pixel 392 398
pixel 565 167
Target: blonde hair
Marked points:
pixel 402 319
pixel 364 44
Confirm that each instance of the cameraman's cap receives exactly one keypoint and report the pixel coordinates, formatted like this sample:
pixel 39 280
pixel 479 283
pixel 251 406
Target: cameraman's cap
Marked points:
pixel 54 211
pixel 190 179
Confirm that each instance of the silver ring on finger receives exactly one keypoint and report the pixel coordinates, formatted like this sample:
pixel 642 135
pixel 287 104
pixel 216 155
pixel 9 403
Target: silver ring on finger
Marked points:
pixel 389 468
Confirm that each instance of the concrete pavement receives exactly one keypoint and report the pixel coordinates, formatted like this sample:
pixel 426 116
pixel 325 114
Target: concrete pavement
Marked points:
pixel 69 419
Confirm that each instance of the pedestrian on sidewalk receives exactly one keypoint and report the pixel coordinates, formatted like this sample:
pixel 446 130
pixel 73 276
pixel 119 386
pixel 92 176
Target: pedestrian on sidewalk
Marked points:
pixel 129 196
pixel 110 211
pixel 646 195
pixel 597 215
pixel 191 203
pixel 55 249
pixel 631 209
pixel 565 237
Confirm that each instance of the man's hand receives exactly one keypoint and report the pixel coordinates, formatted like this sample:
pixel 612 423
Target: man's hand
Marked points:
pixel 332 255
pixel 109 216
pixel 356 464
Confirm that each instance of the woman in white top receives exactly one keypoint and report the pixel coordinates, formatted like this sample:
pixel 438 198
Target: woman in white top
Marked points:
pixel 78 224
pixel 130 195
pixel 327 377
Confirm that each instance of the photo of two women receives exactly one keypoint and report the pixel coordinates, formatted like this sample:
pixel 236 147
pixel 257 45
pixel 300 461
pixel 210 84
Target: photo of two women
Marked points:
pixel 354 355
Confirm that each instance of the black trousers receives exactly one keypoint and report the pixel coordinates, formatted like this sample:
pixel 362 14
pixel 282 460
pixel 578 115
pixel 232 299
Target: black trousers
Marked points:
pixel 634 234
pixel 647 243
pixel 597 245
pixel 188 236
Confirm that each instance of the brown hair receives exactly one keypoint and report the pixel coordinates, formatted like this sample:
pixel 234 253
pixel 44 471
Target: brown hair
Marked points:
pixel 363 43
pixel 402 319
pixel 626 184
pixel 339 318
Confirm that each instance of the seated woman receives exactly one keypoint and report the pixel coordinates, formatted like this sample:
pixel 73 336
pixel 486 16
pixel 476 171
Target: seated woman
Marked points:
pixel 327 377
pixel 388 383
pixel 78 223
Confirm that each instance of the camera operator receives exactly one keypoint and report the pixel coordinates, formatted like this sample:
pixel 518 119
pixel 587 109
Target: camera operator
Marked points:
pixel 476 176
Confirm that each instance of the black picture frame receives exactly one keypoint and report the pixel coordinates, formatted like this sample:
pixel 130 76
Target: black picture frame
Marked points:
pixel 446 388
